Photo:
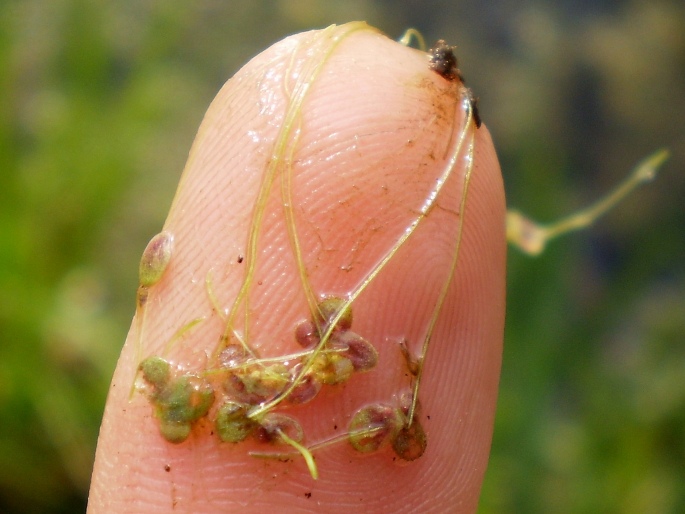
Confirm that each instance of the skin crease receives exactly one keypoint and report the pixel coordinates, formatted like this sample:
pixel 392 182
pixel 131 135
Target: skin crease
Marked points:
pixel 374 131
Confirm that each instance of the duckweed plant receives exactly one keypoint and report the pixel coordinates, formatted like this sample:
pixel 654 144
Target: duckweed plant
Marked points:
pixel 245 396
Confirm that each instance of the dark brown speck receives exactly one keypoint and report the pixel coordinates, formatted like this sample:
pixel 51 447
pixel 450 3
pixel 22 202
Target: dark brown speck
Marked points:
pixel 443 61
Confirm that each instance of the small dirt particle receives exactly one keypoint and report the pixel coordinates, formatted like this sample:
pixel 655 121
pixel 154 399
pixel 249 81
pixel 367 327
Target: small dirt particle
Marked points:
pixel 443 61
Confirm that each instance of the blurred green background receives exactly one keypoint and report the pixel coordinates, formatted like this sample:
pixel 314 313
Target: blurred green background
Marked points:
pixel 99 104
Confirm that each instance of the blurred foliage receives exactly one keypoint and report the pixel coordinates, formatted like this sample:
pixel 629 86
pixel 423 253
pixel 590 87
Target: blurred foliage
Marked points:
pixel 99 102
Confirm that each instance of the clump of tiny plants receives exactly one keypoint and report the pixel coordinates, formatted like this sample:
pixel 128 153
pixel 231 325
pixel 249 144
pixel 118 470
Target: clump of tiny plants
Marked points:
pixel 333 359
pixel 376 425
pixel 243 395
pixel 179 401
pixel 243 383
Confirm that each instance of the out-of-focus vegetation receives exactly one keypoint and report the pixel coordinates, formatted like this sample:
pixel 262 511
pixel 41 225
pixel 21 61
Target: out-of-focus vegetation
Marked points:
pixel 99 103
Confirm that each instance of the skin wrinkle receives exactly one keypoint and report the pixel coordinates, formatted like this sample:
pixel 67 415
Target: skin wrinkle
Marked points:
pixel 209 218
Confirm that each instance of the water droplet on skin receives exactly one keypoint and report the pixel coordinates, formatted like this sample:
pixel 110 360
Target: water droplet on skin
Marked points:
pixel 254 136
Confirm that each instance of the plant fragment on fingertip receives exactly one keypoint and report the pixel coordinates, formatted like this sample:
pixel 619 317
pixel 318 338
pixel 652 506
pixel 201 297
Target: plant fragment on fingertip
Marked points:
pixel 155 259
pixel 232 423
pixel 153 264
pixel 373 426
pixel 410 441
pixel 179 401
pixel 156 371
pixel 306 454
pixel 411 34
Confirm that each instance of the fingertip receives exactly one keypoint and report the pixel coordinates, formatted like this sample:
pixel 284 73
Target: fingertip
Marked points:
pixel 311 166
